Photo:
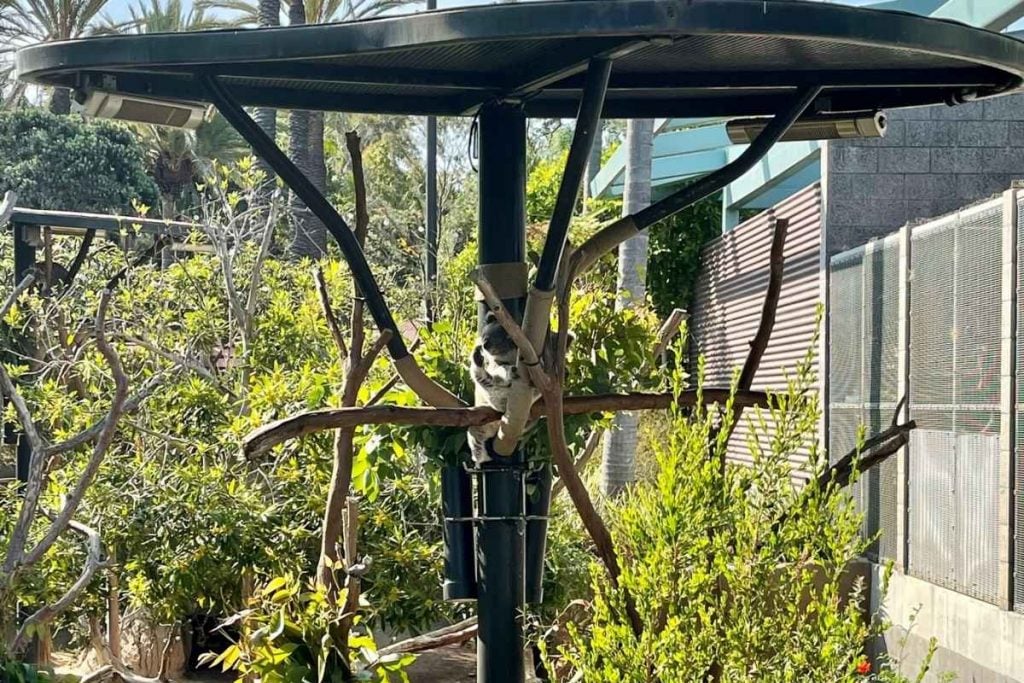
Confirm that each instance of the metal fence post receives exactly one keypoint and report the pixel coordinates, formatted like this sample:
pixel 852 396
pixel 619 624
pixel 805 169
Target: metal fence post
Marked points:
pixel 903 391
pixel 1007 399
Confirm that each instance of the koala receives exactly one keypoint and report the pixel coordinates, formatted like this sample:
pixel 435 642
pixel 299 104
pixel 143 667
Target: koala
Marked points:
pixel 493 368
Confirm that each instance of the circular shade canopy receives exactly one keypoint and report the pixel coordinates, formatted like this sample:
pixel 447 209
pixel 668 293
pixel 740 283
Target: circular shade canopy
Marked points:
pixel 672 58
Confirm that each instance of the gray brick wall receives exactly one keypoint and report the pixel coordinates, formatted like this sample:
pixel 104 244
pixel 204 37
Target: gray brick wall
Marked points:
pixel 934 160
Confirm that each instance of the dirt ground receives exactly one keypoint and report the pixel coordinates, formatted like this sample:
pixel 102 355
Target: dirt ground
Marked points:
pixel 453 664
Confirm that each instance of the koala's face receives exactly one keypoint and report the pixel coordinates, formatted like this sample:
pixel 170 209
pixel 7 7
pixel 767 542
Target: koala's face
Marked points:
pixel 496 341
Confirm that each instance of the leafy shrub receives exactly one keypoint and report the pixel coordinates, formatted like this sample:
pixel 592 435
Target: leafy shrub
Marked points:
pixel 65 163
pixel 289 634
pixel 733 571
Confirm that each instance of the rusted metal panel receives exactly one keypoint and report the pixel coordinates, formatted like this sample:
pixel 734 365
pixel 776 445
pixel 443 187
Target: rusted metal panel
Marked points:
pixel 730 294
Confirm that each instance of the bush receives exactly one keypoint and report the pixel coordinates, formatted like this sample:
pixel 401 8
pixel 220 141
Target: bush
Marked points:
pixel 734 572
pixel 66 164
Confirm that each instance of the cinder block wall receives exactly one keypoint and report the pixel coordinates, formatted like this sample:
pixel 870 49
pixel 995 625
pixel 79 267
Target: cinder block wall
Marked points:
pixel 932 161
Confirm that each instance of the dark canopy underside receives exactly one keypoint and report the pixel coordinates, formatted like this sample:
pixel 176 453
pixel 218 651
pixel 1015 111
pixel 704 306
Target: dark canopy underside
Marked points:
pixel 672 58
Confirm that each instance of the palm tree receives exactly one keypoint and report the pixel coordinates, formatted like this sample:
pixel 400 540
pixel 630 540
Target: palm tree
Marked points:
pixel 178 158
pixel 309 156
pixel 23 22
pixel 618 466
pixel 310 235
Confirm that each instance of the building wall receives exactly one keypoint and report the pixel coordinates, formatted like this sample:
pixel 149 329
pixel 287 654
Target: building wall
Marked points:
pixel 730 293
pixel 932 161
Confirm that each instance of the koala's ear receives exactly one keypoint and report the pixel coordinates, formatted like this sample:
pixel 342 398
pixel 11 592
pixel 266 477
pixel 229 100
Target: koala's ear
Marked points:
pixel 490 317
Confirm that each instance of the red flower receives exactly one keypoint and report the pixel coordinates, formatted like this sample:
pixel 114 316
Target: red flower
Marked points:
pixel 863 667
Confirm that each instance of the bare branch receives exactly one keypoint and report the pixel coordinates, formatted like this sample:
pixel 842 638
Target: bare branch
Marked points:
pixel 302 424
pixel 90 434
pixel 103 440
pixel 448 635
pixel 16 293
pixel 7 206
pixel 589 448
pixel 328 310
pixel 872 452
pixel 159 243
pixel 93 563
pixel 668 330
pixel 363 369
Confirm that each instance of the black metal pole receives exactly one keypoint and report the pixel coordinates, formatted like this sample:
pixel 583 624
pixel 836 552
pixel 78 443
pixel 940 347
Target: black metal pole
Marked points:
pixel 24 261
pixel 431 209
pixel 457 511
pixel 588 122
pixel 314 200
pixel 500 492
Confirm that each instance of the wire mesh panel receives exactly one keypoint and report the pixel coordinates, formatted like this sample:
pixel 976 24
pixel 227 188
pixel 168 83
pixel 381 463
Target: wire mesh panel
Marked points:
pixel 863 374
pixel 955 338
pixel 1018 564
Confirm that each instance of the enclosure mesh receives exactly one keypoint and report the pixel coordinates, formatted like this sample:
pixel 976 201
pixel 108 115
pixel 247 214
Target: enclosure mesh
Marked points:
pixel 863 369
pixel 1018 536
pixel 955 304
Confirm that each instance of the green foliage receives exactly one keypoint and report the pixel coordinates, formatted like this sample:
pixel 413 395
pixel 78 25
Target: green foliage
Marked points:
pixel 289 634
pixel 673 253
pixel 64 163
pixel 733 569
pixel 542 187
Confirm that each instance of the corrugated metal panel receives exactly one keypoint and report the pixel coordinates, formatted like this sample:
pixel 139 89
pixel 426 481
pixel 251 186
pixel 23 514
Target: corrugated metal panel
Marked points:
pixel 730 293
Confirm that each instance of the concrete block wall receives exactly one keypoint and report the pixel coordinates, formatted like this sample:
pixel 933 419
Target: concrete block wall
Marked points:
pixel 932 161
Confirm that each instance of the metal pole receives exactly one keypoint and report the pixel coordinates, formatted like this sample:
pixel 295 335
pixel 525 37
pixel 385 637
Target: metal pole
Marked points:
pixel 431 209
pixel 500 492
pixel 24 261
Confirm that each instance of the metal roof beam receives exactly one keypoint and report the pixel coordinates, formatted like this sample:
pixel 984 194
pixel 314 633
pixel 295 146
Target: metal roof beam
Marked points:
pixel 995 15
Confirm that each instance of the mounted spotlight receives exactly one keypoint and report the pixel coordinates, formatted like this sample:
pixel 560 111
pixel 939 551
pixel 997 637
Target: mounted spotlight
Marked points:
pixel 830 127
pixel 105 105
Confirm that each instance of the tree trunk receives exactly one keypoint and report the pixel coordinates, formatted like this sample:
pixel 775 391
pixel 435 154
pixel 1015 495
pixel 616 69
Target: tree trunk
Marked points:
pixel 268 14
pixel 309 237
pixel 619 463
pixel 60 101
pixel 318 169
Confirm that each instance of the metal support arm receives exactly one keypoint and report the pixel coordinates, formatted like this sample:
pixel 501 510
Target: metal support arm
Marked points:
pixel 624 228
pixel 316 202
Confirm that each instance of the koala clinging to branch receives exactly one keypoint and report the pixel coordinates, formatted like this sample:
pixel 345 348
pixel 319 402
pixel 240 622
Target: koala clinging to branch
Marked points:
pixel 493 368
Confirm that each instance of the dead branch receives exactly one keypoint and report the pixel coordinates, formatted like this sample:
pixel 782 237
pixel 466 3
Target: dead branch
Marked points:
pixel 589 448
pixel 159 243
pixel 328 311
pixel 45 614
pixel 88 435
pixel 117 668
pixel 103 440
pixel 302 424
pixel 872 452
pixel 449 635
pixel 668 330
pixel 758 345
pixel 7 206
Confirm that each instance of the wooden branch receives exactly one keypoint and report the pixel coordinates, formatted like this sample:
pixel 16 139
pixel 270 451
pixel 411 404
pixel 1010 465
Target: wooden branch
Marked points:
pixel 589 448
pixel 45 614
pixel 15 294
pixel 159 243
pixel 7 206
pixel 302 424
pixel 90 434
pixel 448 635
pixel 873 451
pixel 511 327
pixel 80 257
pixel 776 268
pixel 328 311
pixel 367 361
pixel 103 440
pixel 356 154
pixel 668 330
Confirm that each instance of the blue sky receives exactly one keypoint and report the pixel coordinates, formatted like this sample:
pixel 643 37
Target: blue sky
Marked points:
pixel 119 8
